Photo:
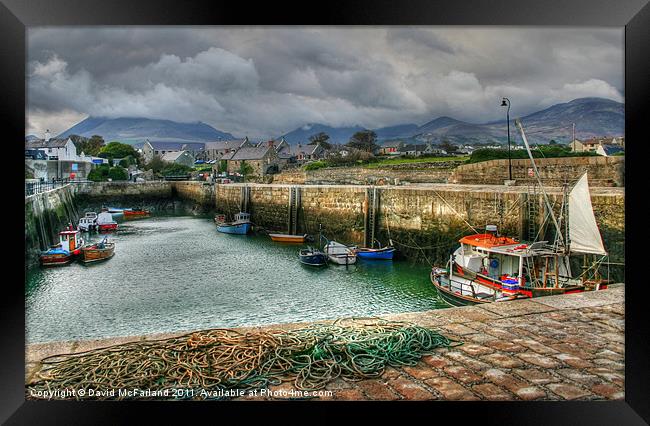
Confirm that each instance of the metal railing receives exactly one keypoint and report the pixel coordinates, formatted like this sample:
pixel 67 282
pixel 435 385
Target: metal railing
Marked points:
pixel 32 188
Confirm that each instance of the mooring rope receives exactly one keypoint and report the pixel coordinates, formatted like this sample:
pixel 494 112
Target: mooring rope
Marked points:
pixel 223 359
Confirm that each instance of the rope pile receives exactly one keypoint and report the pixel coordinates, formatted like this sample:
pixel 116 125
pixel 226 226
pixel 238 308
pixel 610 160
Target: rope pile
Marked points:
pixel 223 359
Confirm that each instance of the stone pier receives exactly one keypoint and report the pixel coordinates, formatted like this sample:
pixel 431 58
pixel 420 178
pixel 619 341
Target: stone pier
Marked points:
pixel 568 347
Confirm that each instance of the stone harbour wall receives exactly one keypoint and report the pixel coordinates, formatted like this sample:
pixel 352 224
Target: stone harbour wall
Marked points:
pixel 603 171
pixel 46 214
pixel 394 175
pixel 423 222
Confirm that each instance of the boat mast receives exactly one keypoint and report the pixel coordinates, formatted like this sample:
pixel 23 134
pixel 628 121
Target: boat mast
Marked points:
pixel 539 181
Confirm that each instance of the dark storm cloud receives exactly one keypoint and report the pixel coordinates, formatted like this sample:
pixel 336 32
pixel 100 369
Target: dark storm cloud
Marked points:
pixel 263 81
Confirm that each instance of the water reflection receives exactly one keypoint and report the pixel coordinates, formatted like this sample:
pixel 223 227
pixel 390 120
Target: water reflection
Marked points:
pixel 179 273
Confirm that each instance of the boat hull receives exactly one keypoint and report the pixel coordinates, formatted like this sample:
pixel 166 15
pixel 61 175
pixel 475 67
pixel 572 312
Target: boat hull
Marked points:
pixel 286 238
pixel 56 259
pixel 379 254
pixel 93 254
pixel 107 227
pixel 315 259
pixel 136 214
pixel 236 229
pixel 342 259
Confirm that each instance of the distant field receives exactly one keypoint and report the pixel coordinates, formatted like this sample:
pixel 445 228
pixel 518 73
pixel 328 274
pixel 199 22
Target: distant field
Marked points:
pixel 394 161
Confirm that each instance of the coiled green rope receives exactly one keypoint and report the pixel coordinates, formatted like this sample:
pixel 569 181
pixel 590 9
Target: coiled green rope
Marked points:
pixel 223 359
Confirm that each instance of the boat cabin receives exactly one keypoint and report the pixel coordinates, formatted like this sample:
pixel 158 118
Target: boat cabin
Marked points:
pixel 242 217
pixel 70 239
pixel 104 217
pixel 507 260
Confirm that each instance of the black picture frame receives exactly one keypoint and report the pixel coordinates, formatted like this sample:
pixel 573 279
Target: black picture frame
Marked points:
pixel 17 15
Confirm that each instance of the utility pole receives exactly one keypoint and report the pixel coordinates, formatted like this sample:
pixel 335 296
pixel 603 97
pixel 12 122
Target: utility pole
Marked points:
pixel 573 138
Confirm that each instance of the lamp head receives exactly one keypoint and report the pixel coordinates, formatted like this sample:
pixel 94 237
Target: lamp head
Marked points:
pixel 503 102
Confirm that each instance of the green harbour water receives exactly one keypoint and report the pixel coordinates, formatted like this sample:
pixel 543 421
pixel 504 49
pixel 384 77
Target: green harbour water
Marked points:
pixel 177 273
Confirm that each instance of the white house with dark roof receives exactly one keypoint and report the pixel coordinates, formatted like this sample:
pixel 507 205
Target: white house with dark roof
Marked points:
pixel 55 149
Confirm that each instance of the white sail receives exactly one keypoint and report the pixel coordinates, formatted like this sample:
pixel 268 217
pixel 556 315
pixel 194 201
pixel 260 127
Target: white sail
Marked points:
pixel 583 230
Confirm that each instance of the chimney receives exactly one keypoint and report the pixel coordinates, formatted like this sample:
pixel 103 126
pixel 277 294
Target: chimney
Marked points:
pixel 270 143
pixel 47 135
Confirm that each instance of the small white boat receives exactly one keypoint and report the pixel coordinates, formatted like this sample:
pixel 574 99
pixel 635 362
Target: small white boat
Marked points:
pixel 88 222
pixel 340 253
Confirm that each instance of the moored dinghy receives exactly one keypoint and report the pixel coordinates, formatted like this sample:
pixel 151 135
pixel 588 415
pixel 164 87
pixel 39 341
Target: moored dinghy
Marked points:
pixel 88 222
pixel 136 213
pixel 102 250
pixel 288 238
pixel 340 253
pixel 385 253
pixel 313 257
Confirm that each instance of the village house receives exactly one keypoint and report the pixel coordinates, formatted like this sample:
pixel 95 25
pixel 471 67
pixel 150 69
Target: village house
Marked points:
pixel 285 157
pixel 179 157
pixel 263 159
pixel 391 148
pixel 213 151
pixel 305 153
pixel 415 150
pixel 597 144
pixel 55 149
pixel 151 149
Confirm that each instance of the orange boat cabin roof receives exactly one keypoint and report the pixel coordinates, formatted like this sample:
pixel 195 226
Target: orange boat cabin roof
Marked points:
pixel 487 240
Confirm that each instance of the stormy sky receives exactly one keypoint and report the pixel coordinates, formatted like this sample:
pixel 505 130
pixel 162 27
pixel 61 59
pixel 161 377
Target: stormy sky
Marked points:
pixel 265 81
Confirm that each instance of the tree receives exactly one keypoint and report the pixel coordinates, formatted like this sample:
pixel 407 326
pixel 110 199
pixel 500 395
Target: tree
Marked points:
pixel 118 150
pixel 156 164
pixel 174 169
pixel 99 173
pixel 88 146
pixel 245 169
pixel 320 138
pixel 93 146
pixel 448 147
pixel 364 141
pixel 223 166
pixel 118 173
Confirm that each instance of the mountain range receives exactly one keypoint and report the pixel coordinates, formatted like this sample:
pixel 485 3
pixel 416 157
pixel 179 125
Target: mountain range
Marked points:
pixel 593 117
pixel 129 129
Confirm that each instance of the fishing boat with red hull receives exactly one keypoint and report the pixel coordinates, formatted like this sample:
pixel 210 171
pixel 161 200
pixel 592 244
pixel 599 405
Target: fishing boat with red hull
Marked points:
pixel 136 213
pixel 488 267
pixel 70 244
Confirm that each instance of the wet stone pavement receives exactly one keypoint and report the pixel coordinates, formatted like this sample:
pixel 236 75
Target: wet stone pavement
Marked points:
pixel 568 347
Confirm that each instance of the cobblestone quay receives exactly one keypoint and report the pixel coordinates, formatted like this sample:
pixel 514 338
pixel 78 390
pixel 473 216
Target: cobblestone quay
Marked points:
pixel 567 347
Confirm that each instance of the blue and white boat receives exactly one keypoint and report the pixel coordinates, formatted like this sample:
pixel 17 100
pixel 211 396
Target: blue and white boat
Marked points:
pixel 240 226
pixel 385 253
pixel 313 257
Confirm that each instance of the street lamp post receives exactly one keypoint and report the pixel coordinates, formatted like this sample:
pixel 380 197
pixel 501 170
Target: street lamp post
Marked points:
pixel 506 102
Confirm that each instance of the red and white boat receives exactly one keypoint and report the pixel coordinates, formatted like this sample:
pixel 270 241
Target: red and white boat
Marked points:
pixel 488 267
pixel 70 245
pixel 105 221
